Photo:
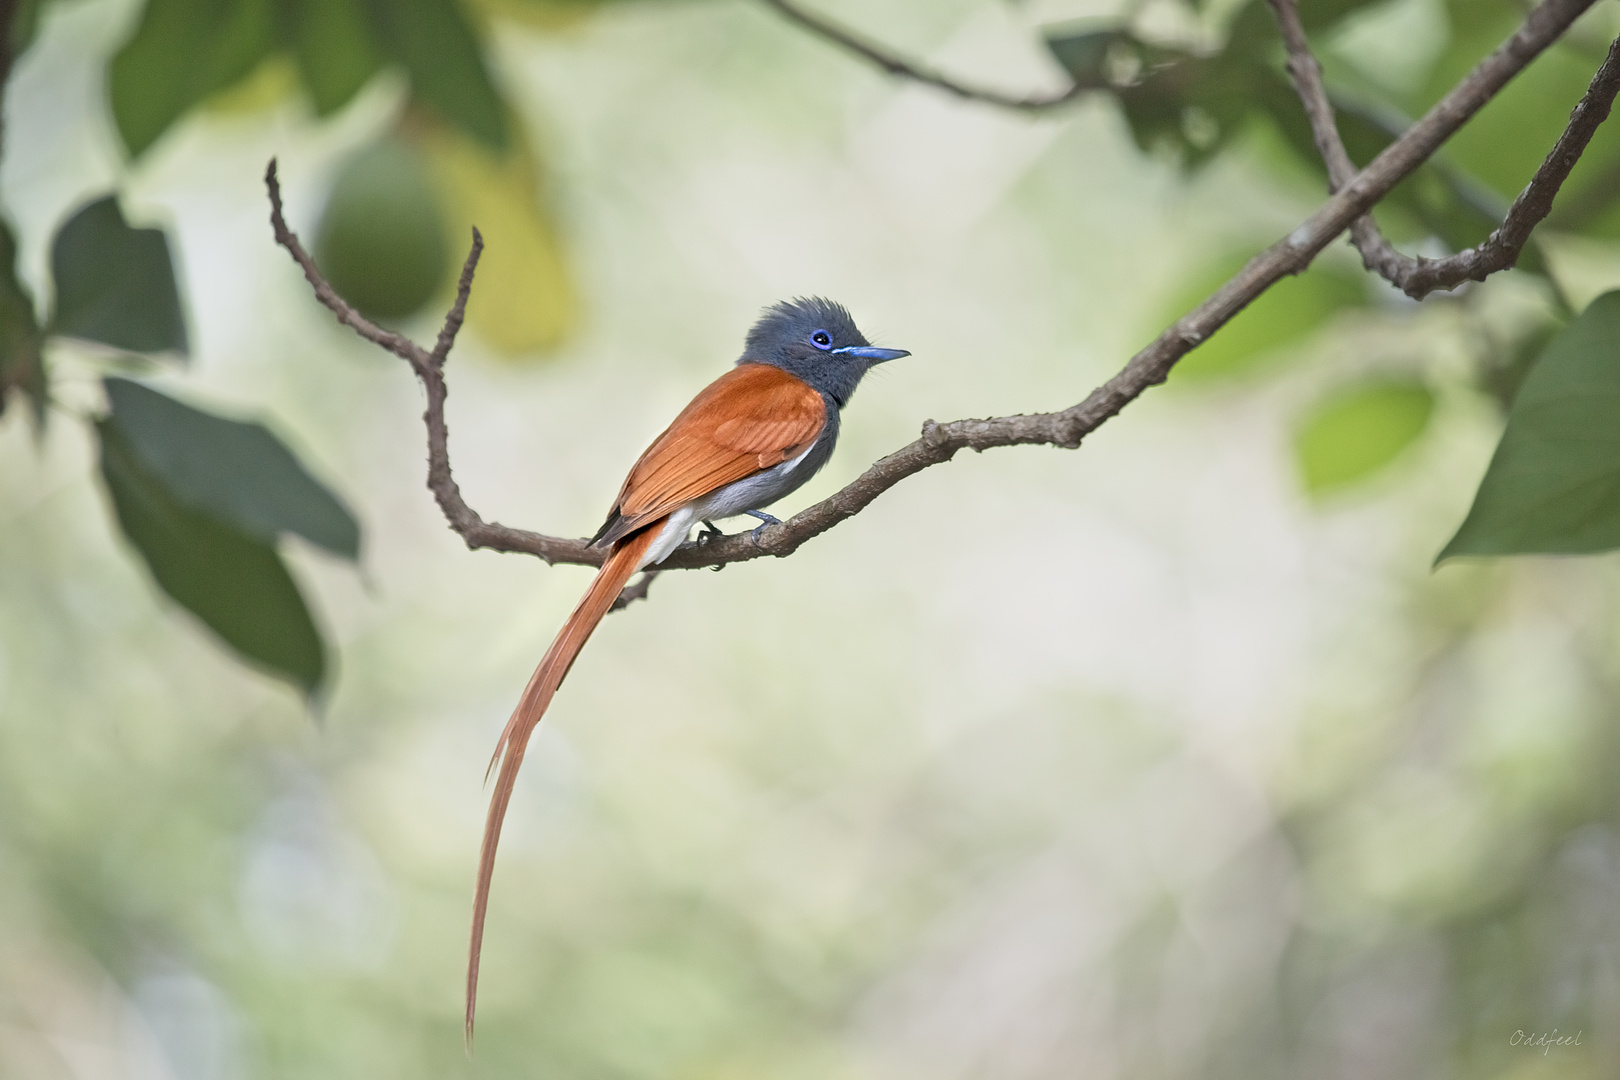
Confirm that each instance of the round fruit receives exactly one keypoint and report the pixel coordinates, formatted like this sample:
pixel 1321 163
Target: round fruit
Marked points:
pixel 381 238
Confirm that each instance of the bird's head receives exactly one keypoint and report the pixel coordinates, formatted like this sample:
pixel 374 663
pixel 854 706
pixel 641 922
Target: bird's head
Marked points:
pixel 817 341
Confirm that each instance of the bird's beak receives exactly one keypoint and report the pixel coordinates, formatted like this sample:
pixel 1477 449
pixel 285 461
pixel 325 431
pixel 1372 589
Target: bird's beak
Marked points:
pixel 871 352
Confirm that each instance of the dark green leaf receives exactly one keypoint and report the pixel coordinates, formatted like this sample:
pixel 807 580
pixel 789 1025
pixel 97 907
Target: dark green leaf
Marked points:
pixel 183 51
pixel 234 583
pixel 381 240
pixel 1433 201
pixel 336 49
pixel 1321 14
pixel 1554 482
pixel 1315 14
pixel 1504 365
pixel 22 366
pixel 25 25
pixel 1084 54
pixel 1506 142
pixel 445 61
pixel 1359 429
pixel 115 284
pixel 236 472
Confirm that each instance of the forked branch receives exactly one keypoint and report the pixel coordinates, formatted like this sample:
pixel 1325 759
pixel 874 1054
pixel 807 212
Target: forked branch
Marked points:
pixel 940 442
pixel 429 367
pixel 1417 277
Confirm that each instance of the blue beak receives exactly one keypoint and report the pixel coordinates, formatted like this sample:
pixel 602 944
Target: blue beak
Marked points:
pixel 871 352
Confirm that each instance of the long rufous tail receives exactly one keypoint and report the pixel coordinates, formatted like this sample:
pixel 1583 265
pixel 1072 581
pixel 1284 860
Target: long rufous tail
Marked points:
pixel 621 563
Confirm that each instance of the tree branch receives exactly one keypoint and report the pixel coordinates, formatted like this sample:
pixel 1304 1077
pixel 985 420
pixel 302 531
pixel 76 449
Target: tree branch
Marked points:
pixel 848 40
pixel 1418 277
pixel 631 593
pixel 429 367
pixel 940 442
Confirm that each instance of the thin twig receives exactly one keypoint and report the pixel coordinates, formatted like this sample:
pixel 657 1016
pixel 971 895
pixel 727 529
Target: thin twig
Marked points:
pixel 631 593
pixel 940 442
pixel 429 367
pixel 848 40
pixel 1418 277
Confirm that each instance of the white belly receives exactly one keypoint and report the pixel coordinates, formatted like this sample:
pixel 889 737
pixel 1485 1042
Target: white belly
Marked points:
pixel 750 493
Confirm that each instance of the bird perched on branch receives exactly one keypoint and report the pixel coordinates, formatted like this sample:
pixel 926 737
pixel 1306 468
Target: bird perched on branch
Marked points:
pixel 750 437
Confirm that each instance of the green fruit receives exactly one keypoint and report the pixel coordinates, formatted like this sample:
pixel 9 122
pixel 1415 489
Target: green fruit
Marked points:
pixel 381 239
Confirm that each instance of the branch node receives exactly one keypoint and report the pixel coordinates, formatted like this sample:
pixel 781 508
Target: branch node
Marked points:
pixel 1417 277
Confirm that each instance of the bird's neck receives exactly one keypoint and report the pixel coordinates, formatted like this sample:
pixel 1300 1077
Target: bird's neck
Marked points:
pixel 836 383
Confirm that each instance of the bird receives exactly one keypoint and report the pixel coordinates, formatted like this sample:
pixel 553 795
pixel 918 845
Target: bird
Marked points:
pixel 755 434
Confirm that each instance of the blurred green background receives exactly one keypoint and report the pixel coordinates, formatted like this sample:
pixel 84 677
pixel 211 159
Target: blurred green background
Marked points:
pixel 1169 758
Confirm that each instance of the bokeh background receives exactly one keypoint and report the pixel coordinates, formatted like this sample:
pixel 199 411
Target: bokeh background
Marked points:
pixel 1140 761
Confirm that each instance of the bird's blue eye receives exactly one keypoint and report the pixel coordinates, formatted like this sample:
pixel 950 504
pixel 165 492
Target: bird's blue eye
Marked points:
pixel 821 340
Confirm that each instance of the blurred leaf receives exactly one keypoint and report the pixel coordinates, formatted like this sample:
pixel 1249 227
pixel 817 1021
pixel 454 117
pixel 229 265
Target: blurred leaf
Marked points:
pixel 1283 315
pixel 1315 14
pixel 1084 54
pixel 1553 484
pixel 236 584
pixel 1359 429
pixel 25 25
pixel 381 239
pixel 22 366
pixel 1477 27
pixel 183 51
pixel 1320 14
pixel 524 300
pixel 265 87
pixel 541 14
pixel 1432 201
pixel 1503 368
pixel 115 284
pixel 1194 105
pixel 234 471
pixel 336 47
pixel 1506 142
pixel 444 59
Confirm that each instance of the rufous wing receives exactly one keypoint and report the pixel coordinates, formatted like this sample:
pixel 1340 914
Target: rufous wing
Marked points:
pixel 752 418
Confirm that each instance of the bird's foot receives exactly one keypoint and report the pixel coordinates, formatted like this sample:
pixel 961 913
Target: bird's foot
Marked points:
pixel 765 519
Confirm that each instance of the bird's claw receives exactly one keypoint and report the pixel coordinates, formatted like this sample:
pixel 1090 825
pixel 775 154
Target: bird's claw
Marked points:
pixel 765 520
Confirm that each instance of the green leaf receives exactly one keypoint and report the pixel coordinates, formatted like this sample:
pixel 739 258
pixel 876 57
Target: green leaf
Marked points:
pixel 1432 201
pixel 445 61
pixel 1284 315
pixel 1318 15
pixel 22 364
pixel 1358 430
pixel 1194 105
pixel 1084 54
pixel 115 284
pixel 381 239
pixel 25 25
pixel 238 473
pixel 1505 144
pixel 336 48
pixel 1553 485
pixel 236 584
pixel 183 51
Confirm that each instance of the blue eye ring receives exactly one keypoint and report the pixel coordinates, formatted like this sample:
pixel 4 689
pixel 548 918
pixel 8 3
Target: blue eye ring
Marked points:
pixel 821 340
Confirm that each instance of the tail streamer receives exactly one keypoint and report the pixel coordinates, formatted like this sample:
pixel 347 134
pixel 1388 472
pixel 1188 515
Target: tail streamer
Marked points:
pixel 622 562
